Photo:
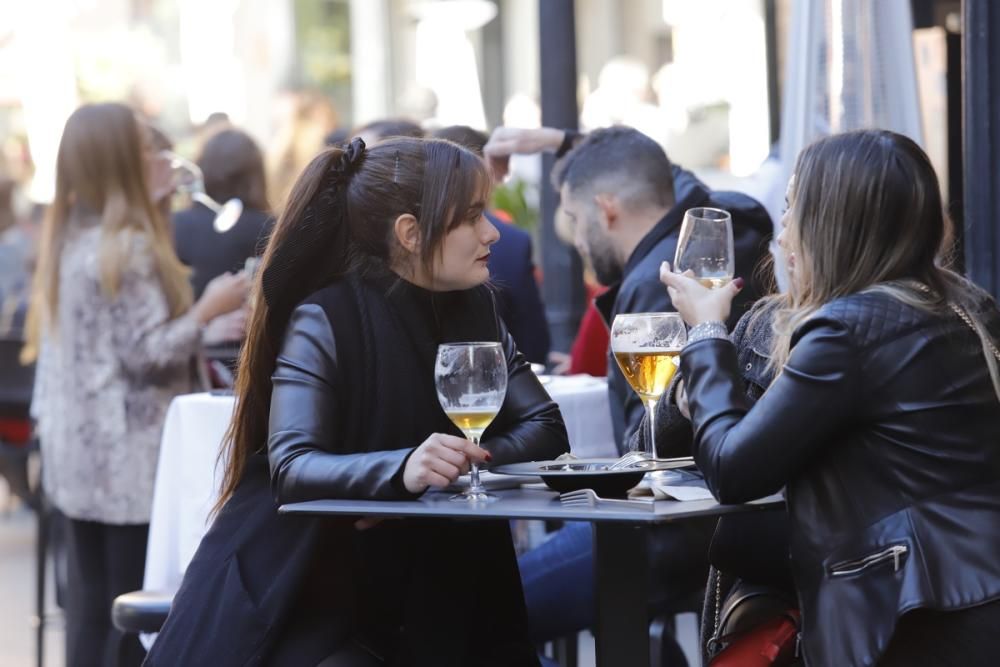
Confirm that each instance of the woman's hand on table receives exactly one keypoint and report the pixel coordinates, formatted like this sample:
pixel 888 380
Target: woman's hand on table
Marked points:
pixel 439 461
pixel 695 302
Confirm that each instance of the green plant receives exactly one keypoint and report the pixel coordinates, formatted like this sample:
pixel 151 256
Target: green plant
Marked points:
pixel 509 198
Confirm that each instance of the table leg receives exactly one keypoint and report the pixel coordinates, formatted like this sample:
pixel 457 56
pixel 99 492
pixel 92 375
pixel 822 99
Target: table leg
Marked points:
pixel 621 573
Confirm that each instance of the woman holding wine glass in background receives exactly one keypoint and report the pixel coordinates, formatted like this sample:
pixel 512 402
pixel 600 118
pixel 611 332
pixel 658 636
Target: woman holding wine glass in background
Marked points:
pixel 379 259
pixel 882 421
pixel 115 331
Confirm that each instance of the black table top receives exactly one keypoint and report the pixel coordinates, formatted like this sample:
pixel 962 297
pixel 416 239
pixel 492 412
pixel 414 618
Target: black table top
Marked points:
pixel 524 504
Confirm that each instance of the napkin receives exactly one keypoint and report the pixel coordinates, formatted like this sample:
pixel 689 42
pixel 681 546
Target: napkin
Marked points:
pixel 680 485
pixel 682 493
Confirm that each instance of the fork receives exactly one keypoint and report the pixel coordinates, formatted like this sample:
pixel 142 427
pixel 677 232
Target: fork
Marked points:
pixel 588 498
pixel 627 461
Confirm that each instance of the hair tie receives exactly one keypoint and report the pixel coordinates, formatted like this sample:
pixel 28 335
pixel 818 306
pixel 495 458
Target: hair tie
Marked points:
pixel 351 156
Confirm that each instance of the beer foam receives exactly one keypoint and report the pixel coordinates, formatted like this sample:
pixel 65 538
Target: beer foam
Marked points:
pixel 633 349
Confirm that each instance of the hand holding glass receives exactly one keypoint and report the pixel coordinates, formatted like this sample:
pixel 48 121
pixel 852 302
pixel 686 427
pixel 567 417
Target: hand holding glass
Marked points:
pixel 471 381
pixel 647 348
pixel 705 246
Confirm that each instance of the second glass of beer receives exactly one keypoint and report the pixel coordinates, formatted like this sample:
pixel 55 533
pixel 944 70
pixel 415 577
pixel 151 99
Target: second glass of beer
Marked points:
pixel 647 348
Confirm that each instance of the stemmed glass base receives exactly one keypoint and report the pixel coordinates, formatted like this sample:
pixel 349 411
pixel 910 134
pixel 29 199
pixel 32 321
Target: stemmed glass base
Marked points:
pixel 476 493
pixel 656 476
pixel 473 496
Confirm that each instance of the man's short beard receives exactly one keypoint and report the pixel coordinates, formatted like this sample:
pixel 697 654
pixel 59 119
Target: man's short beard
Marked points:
pixel 606 268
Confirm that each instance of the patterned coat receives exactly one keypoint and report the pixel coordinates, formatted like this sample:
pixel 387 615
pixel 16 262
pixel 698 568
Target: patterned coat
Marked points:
pixel 106 373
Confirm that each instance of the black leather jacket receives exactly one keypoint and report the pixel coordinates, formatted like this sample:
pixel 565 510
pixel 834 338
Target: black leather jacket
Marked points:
pixel 884 426
pixel 302 449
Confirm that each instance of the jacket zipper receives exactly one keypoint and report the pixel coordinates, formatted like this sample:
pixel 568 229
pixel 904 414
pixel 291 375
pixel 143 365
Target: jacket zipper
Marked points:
pixel 894 553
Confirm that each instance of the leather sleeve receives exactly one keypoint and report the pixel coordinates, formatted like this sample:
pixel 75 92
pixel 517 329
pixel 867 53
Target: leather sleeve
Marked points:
pixel 304 419
pixel 748 451
pixel 529 426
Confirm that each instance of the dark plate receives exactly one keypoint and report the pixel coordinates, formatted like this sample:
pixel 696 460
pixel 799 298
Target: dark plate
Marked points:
pixel 573 474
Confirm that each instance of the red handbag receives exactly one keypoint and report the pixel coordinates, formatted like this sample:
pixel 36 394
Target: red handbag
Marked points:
pixel 772 642
pixel 756 627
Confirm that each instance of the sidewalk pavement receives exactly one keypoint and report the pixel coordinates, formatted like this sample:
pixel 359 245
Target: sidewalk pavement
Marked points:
pixel 17 591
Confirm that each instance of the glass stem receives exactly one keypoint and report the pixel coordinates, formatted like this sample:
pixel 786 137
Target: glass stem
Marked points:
pixel 651 414
pixel 475 486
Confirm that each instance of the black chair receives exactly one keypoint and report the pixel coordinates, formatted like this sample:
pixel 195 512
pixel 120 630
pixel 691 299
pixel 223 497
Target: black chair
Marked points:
pixel 663 647
pixel 664 651
pixel 139 612
pixel 15 402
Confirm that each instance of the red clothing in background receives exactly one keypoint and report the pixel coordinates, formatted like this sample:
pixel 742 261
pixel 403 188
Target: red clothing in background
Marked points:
pixel 589 353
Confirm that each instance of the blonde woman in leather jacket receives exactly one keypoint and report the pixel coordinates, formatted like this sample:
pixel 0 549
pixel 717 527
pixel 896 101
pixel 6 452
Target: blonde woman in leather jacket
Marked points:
pixel 883 421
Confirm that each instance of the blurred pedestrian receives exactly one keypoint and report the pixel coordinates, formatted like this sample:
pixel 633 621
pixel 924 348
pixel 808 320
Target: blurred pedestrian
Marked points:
pixel 115 334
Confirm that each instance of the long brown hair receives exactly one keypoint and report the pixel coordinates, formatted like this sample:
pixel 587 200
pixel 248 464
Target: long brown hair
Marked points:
pixel 866 214
pixel 339 219
pixel 100 167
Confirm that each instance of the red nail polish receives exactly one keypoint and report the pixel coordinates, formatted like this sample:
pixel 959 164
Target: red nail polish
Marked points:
pixel 489 457
pixel 739 283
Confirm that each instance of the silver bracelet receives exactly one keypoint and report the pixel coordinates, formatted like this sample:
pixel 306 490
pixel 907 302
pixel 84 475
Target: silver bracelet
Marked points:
pixel 712 329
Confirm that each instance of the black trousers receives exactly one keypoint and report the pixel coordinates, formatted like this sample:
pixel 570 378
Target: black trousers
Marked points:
pixel 964 638
pixel 104 561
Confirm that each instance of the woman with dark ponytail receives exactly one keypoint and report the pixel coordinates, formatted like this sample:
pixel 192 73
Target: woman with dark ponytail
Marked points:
pixel 379 257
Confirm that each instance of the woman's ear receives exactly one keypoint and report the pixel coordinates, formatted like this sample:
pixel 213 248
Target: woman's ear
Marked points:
pixel 407 233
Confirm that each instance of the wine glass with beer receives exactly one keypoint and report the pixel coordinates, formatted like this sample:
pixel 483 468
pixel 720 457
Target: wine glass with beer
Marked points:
pixel 471 382
pixel 647 347
pixel 705 246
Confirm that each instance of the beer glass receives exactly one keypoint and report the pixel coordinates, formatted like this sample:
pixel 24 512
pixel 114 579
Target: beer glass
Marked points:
pixel 471 382
pixel 705 246
pixel 647 348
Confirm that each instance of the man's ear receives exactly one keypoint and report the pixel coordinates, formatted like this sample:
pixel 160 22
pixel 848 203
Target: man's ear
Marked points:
pixel 609 205
pixel 407 233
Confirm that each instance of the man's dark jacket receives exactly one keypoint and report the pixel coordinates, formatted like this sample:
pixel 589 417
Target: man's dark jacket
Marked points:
pixel 640 290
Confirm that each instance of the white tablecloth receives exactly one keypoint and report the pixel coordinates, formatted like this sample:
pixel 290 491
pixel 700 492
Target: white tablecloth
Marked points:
pixel 583 401
pixel 188 476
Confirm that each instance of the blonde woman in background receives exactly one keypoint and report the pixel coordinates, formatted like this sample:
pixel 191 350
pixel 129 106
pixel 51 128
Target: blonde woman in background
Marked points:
pixel 115 335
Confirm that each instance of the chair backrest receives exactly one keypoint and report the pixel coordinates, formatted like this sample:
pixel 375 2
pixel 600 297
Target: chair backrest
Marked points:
pixel 16 381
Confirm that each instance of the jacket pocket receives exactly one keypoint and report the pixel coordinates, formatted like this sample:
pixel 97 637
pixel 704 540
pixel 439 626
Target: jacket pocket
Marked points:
pixel 894 554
